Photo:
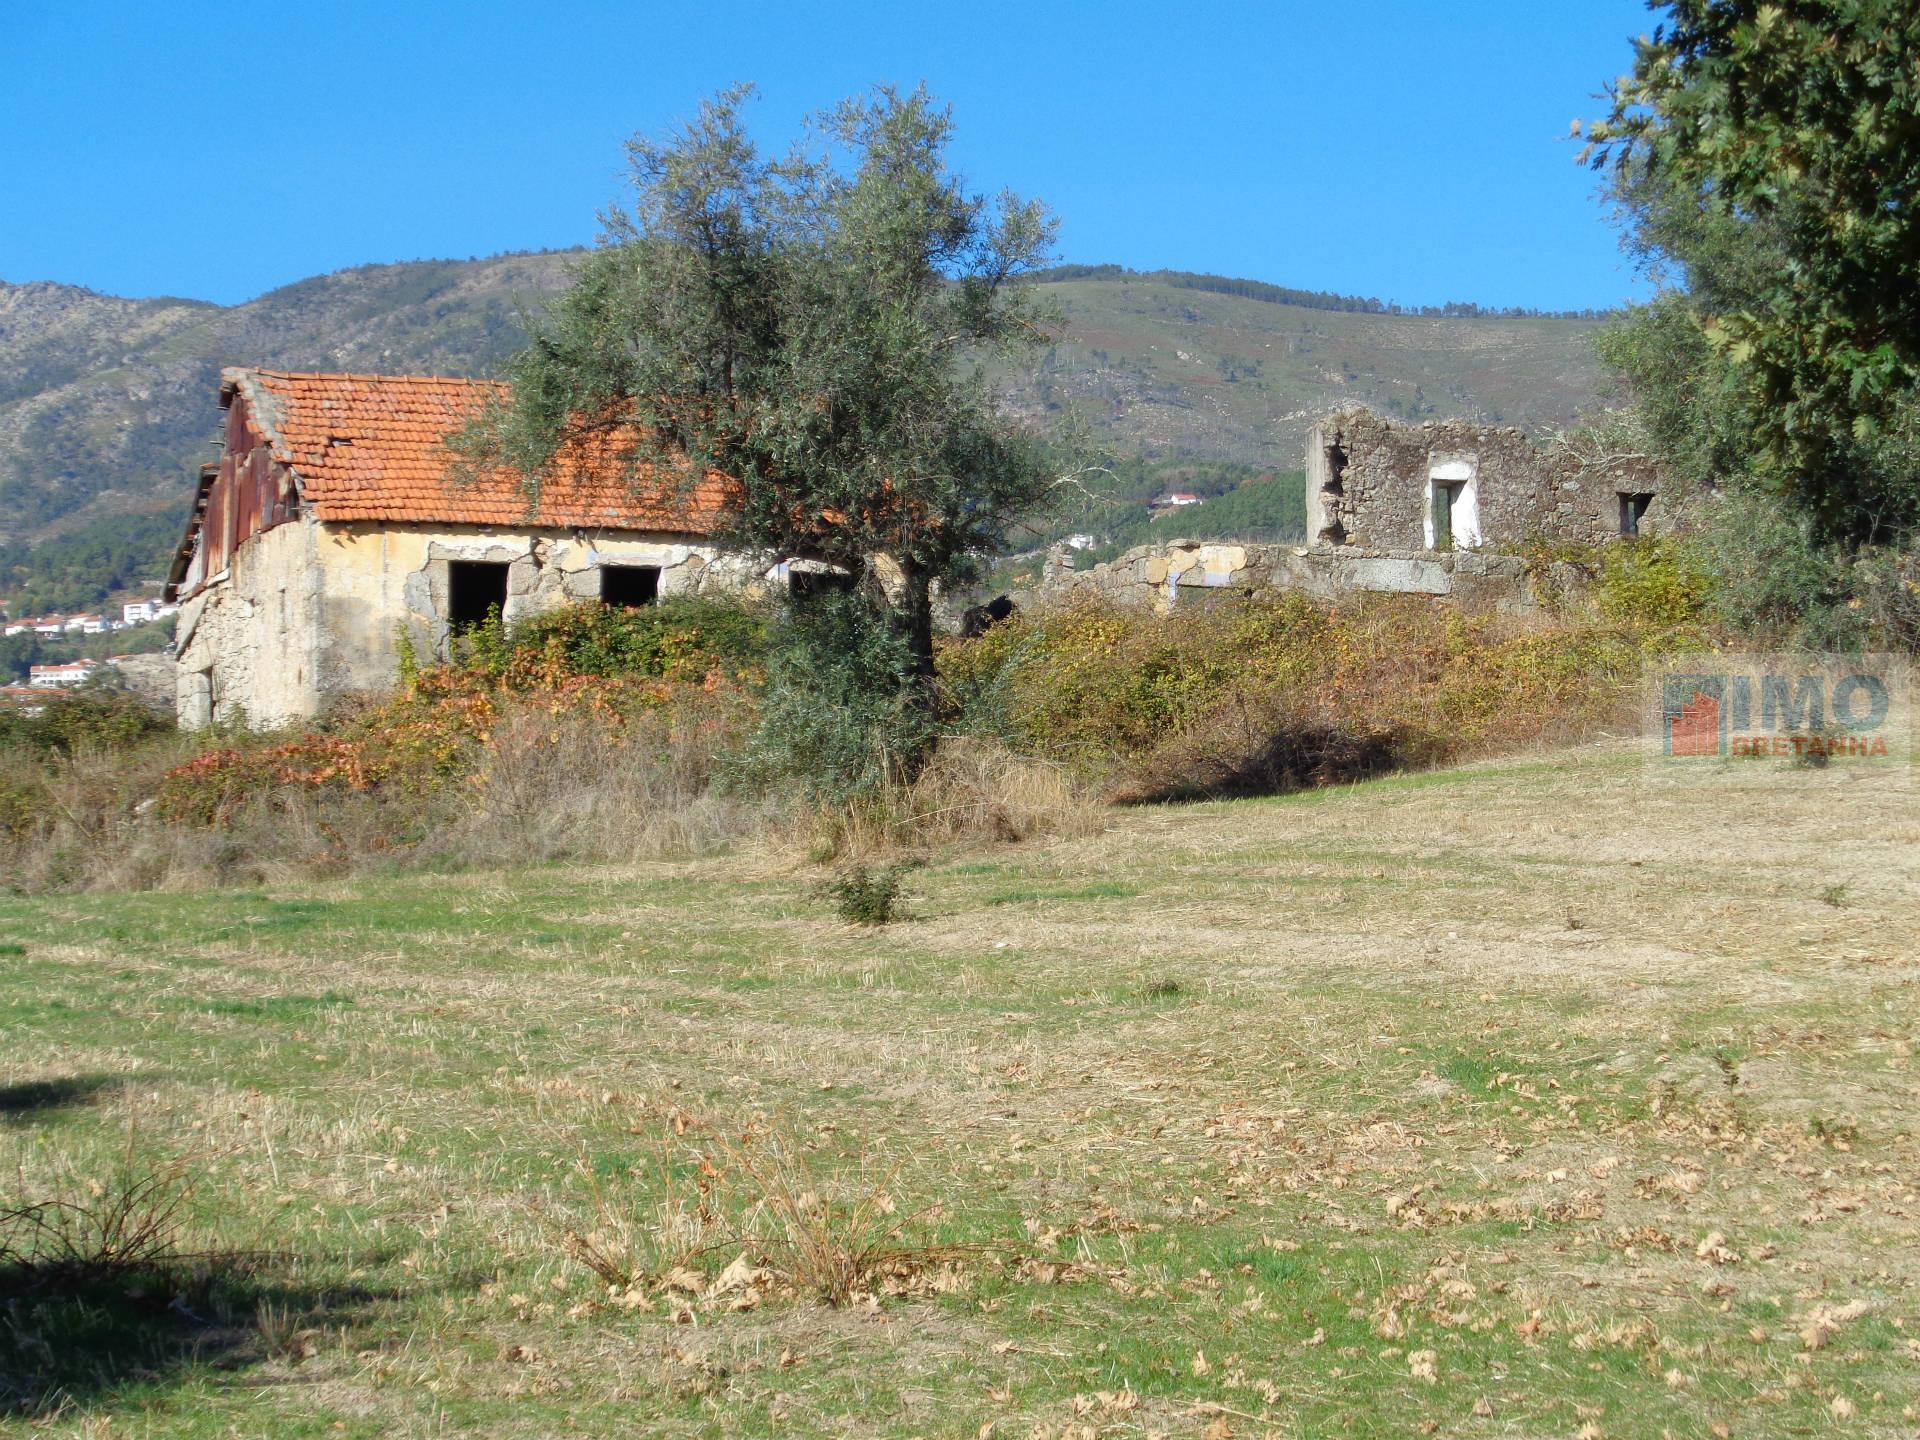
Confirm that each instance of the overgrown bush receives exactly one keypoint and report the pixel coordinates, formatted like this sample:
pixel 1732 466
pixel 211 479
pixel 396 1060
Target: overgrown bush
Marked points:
pixel 1277 694
pixel 111 1272
pixel 682 640
pixel 63 724
pixel 616 734
pixel 1885 598
pixel 588 671
pixel 130 1221
pixel 1656 582
pixel 836 718
pixel 591 732
pixel 1774 583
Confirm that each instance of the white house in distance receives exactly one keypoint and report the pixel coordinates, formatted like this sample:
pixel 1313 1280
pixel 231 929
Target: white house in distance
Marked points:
pixel 57 677
pixel 134 612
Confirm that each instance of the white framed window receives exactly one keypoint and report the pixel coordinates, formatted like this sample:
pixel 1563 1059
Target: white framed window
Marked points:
pixel 1452 520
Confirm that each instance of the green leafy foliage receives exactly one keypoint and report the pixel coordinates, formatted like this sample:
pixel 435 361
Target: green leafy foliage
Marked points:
pixel 1653 582
pixel 1238 501
pixel 1767 151
pixel 1266 508
pixel 20 653
pixel 683 638
pixel 866 894
pixel 810 327
pixel 81 568
pixel 837 717
pixel 70 724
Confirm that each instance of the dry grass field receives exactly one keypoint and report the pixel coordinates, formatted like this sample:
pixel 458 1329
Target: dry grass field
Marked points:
pixel 1554 1097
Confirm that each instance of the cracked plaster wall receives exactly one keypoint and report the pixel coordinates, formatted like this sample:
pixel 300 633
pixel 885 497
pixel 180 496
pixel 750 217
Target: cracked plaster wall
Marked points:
pixel 249 646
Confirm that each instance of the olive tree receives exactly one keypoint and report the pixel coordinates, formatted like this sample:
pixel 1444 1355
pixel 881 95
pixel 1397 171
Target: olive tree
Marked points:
pixel 816 325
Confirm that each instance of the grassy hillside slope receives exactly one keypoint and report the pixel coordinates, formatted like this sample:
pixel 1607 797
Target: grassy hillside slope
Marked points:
pixel 1161 370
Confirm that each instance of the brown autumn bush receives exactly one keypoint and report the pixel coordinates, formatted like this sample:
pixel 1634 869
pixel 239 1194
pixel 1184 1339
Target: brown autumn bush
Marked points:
pixel 550 749
pixel 731 1211
pixel 1281 693
pixel 512 755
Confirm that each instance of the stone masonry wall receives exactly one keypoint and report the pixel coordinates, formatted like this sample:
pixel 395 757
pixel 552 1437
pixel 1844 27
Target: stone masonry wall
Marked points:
pixel 249 644
pixel 1368 484
pixel 1190 572
pixel 380 579
pixel 1370 498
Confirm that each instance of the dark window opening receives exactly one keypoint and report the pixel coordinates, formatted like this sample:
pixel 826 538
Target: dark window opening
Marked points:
pixel 805 584
pixel 1443 498
pixel 1336 468
pixel 630 586
pixel 1633 509
pixel 474 589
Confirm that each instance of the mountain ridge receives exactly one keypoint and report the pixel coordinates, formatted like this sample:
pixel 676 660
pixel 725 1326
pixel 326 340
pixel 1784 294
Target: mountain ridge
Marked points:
pixel 107 403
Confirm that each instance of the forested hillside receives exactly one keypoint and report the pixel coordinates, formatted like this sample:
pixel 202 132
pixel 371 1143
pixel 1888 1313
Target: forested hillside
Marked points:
pixel 107 405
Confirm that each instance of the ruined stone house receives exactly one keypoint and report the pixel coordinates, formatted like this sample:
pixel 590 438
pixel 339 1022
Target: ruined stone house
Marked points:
pixel 1442 508
pixel 329 526
pixel 1377 486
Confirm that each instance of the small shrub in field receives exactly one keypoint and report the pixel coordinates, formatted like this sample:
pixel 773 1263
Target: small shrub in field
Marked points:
pixel 756 1192
pixel 100 1227
pixel 866 895
pixel 829 1239
pixel 645 1231
pixel 101 1281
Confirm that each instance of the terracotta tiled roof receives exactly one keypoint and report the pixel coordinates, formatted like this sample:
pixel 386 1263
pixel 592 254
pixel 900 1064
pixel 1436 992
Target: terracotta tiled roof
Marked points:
pixel 373 447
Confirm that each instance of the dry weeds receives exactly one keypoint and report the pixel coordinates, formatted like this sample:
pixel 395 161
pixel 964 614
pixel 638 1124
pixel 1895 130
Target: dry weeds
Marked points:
pixel 1484 1100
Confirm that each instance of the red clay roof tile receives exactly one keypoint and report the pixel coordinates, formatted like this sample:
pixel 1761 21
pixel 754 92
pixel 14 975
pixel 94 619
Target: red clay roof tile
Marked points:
pixel 373 447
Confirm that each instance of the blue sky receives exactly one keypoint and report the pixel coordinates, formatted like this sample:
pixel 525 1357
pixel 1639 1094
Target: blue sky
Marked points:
pixel 1414 150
